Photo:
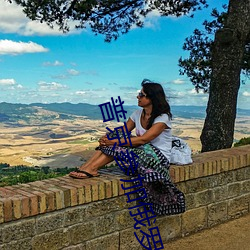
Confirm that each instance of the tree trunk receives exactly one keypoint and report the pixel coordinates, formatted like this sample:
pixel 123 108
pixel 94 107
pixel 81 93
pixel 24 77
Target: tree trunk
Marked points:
pixel 227 56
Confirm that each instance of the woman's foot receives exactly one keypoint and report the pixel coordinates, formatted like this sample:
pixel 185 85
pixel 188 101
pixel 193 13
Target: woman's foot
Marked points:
pixel 83 174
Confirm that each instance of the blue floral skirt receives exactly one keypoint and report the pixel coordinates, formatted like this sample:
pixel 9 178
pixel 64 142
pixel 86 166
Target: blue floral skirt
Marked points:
pixel 153 167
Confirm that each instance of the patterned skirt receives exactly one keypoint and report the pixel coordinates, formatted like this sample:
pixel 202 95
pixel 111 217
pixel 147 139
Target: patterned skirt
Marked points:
pixel 153 167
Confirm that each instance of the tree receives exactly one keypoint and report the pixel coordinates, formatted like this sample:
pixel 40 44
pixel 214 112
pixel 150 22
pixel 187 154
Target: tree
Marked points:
pixel 113 17
pixel 219 126
pixel 227 57
pixel 198 65
pixel 108 17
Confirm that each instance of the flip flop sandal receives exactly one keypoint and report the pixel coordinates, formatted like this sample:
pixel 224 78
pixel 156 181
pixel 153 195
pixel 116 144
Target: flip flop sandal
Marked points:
pixel 87 175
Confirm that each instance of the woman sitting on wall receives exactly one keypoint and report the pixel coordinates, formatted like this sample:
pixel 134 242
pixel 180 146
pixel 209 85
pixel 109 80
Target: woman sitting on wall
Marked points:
pixel 152 144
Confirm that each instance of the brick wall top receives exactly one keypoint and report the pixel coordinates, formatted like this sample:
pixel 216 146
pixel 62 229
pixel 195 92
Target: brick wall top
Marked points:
pixel 25 200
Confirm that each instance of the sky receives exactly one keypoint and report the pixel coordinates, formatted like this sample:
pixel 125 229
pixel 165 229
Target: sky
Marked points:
pixel 40 64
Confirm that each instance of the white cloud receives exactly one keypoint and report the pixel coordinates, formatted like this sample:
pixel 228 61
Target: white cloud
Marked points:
pixel 246 93
pixel 19 86
pixel 13 20
pixel 15 48
pixel 73 72
pixel 80 92
pixel 194 92
pixel 178 81
pixel 7 82
pixel 55 63
pixel 51 86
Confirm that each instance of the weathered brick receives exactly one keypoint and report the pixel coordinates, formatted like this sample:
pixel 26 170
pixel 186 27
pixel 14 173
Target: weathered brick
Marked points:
pixel 50 201
pixel 121 189
pixel 49 222
pixel 99 208
pixel 247 172
pixel 74 215
pixel 101 191
pixel 176 174
pixel 210 168
pixel 234 189
pixel 59 198
pixel 182 174
pixel 182 186
pixel 220 193
pixel 217 213
pixel 24 244
pixel 53 240
pixel 66 196
pixel 197 185
pixel 238 206
pixel 80 233
pixel 128 240
pixel 17 212
pixel 33 205
pixel 169 227
pixel 243 160
pixel 235 162
pixel 41 201
pixel 203 198
pixel 108 189
pixel 172 173
pixel 190 202
pixel 201 170
pixel 231 163
pixel 18 230
pixel 224 165
pixel 78 184
pixel 248 159
pixel 76 247
pixel 240 174
pixel 33 201
pixel 73 194
pixel 6 192
pixel 94 193
pixel 7 209
pixel 87 193
pixel 123 219
pixel 107 242
pixel 194 220
pixel 1 211
pixel 245 186
pixel 115 188
pixel 215 170
pixel 187 172
pixel 197 170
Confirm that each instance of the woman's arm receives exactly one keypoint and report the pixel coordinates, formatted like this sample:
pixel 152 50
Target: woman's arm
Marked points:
pixel 130 126
pixel 136 141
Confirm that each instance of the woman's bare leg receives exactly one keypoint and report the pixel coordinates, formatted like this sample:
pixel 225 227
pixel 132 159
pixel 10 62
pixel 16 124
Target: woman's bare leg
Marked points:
pixel 98 160
pixel 96 154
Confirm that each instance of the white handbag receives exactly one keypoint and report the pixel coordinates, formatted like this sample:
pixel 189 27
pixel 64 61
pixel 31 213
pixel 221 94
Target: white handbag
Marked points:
pixel 180 152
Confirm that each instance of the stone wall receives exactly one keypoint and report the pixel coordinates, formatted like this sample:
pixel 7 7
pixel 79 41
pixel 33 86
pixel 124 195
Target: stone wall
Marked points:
pixel 65 213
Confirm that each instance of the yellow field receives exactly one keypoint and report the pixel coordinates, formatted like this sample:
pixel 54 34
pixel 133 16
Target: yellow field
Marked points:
pixel 32 145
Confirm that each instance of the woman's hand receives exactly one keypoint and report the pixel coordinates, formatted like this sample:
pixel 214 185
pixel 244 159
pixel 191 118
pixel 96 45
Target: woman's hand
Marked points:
pixel 106 142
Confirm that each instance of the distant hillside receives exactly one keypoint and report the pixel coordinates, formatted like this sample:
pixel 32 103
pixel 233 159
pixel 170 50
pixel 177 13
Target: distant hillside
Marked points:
pixel 48 112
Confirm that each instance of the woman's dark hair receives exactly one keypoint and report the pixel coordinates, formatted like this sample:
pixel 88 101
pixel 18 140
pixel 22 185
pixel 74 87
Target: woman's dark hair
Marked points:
pixel 156 94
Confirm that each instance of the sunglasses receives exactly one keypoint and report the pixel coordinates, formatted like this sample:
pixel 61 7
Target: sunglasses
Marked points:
pixel 140 94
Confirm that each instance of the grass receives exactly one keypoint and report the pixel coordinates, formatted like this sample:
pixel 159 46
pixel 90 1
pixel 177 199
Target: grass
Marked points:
pixel 23 174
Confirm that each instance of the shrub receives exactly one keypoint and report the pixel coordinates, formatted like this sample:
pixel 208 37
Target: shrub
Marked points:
pixel 242 142
pixel 22 174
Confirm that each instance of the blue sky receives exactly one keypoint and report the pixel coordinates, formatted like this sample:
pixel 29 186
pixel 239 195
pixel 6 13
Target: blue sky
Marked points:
pixel 38 64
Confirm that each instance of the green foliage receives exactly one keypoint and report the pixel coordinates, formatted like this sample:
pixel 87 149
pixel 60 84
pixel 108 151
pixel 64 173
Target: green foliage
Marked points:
pixel 109 17
pixel 198 67
pixel 23 174
pixel 242 142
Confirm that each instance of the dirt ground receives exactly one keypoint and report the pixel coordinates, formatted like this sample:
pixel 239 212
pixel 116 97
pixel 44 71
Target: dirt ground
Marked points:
pixel 232 235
